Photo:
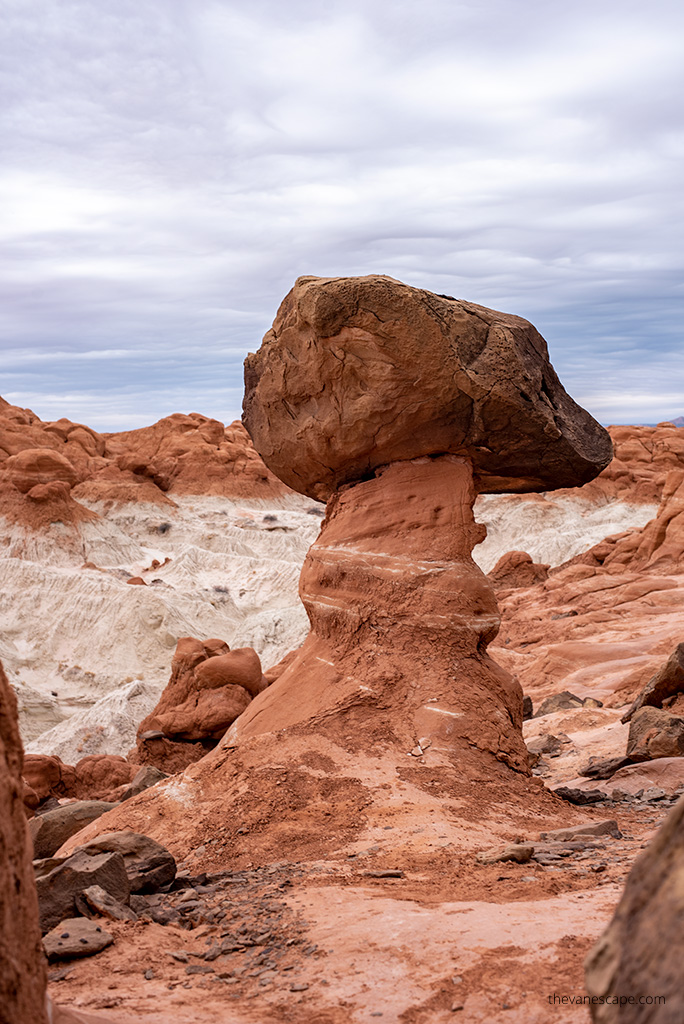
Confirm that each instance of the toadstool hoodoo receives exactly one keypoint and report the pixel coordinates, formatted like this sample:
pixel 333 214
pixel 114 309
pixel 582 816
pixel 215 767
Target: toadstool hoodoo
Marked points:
pixel 398 406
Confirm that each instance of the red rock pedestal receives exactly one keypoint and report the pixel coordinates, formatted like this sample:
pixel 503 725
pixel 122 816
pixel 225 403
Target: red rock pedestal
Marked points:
pixel 23 976
pixel 401 617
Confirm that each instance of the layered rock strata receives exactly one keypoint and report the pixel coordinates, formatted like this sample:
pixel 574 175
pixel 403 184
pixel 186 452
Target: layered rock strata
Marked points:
pixel 393 691
pixel 398 405
pixel 400 621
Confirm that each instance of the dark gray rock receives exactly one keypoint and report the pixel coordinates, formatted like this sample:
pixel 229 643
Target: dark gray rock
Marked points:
pixel 545 744
pixel 57 891
pixel 53 828
pixel 602 768
pixel 149 865
pixel 580 796
pixel 96 902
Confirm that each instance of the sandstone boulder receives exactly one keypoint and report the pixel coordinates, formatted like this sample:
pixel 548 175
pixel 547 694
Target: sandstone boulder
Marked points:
pixel 639 954
pixel 97 902
pixel 210 686
pixel 149 865
pixel 360 372
pixel 47 775
pixel 667 682
pixel 516 569
pixel 98 776
pixel 655 733
pixel 53 828
pixel 59 888
pixel 564 701
pixel 23 977
pixel 607 827
pixel 40 466
pixel 144 778
pixel 518 853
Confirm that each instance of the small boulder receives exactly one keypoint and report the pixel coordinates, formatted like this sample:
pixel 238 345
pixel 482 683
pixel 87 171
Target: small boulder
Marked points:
pixel 564 701
pixel 520 853
pixel 575 795
pixel 667 682
pixel 96 901
pixel 57 890
pixel 655 733
pixel 606 827
pixel 47 775
pixel 53 828
pixel 75 937
pixel 148 864
pixel 547 743
pixel 602 768
pixel 144 778
pixel 516 569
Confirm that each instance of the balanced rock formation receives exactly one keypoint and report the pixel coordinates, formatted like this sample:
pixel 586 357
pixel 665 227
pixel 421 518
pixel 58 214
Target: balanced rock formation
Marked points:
pixel 210 686
pixel 398 405
pixel 23 976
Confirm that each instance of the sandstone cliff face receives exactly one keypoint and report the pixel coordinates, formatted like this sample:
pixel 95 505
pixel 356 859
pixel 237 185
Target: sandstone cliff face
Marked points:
pixel 23 975
pixel 660 545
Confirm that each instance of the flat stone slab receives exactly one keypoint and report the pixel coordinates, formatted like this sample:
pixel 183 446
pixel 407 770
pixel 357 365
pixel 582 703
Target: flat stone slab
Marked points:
pixel 606 827
pixel 520 853
pixel 76 937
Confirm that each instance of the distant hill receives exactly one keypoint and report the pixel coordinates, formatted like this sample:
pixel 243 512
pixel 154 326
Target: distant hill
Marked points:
pixel 678 422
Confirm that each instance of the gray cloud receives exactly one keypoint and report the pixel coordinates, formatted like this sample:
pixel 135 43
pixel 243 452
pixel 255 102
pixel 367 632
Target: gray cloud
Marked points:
pixel 170 167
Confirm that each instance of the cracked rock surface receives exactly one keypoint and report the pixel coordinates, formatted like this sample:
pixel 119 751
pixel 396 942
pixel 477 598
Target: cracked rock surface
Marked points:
pixel 362 371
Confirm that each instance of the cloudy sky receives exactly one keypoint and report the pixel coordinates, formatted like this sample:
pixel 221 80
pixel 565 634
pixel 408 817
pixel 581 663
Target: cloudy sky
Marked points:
pixel 171 166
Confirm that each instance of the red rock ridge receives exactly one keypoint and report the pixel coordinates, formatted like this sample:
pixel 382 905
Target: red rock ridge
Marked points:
pixel 48 468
